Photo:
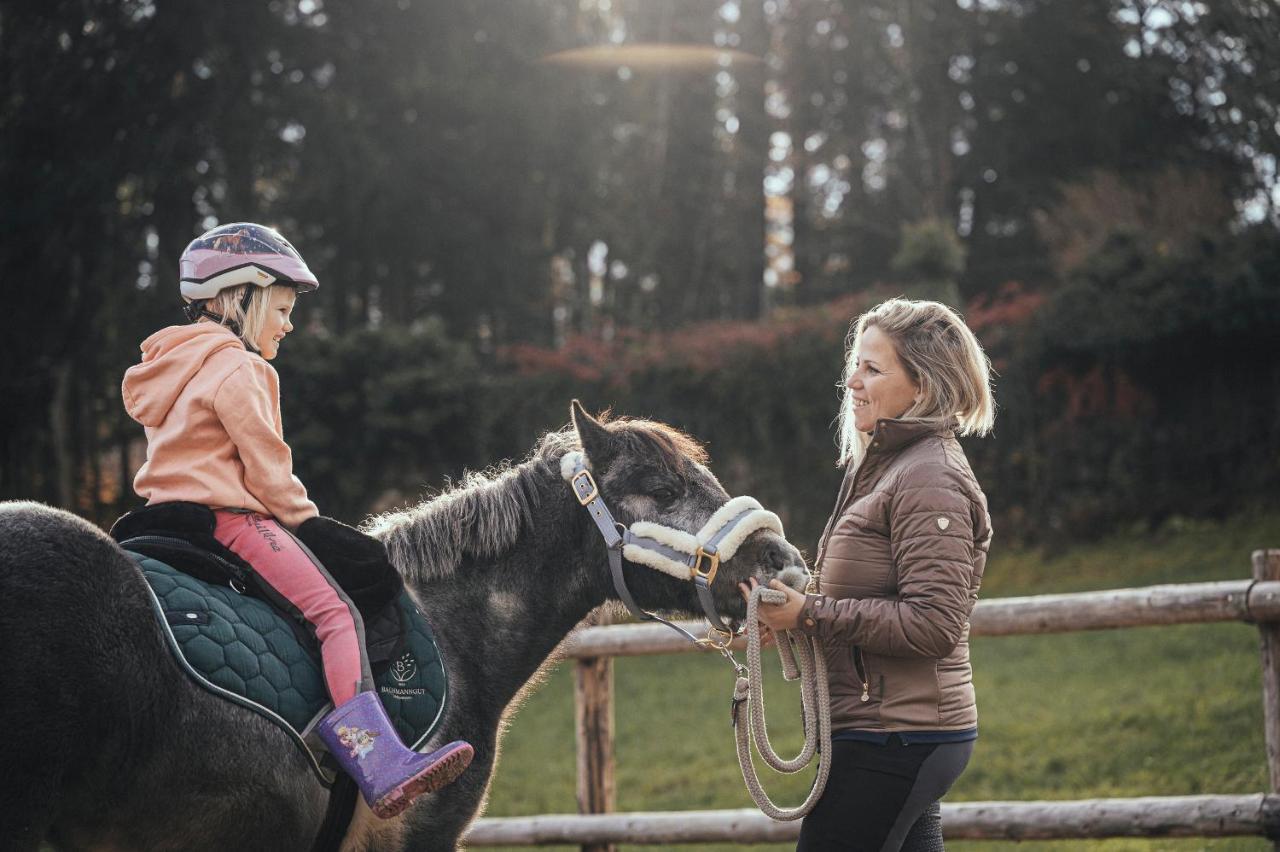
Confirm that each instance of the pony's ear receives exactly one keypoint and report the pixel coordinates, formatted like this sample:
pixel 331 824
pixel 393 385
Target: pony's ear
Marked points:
pixel 597 441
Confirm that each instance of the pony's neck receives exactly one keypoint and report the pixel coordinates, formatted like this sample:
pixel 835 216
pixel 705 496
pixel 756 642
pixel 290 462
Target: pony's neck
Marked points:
pixel 498 619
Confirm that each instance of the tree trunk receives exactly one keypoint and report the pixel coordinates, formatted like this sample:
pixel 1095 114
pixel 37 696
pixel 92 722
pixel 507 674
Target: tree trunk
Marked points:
pixel 60 435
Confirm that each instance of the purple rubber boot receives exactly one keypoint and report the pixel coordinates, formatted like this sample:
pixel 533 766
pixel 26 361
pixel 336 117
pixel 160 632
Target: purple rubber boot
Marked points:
pixel 390 776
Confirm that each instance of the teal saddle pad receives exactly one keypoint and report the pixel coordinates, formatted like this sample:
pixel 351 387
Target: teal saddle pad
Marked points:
pixel 242 649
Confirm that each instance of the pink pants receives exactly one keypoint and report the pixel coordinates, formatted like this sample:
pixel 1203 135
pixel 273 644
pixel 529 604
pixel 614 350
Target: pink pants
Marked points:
pixel 278 558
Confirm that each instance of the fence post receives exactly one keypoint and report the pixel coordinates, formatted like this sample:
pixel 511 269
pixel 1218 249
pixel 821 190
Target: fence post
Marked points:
pixel 593 718
pixel 1266 566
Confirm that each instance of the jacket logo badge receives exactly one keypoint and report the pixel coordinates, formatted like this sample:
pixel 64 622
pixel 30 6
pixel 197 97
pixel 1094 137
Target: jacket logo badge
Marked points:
pixel 943 523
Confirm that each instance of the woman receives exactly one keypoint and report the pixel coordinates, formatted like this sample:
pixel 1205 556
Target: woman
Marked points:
pixel 899 563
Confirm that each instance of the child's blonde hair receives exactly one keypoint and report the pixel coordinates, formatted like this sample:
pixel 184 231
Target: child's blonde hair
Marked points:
pixel 940 354
pixel 229 304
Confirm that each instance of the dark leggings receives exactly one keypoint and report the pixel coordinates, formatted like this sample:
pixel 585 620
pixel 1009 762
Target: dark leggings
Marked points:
pixel 883 798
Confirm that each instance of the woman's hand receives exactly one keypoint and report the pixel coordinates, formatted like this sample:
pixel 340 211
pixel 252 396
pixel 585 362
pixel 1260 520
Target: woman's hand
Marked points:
pixel 783 616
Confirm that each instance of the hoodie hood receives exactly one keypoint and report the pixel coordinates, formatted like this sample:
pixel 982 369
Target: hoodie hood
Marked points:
pixel 170 359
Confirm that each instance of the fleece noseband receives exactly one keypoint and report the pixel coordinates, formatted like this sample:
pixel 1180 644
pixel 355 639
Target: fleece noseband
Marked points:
pixel 674 552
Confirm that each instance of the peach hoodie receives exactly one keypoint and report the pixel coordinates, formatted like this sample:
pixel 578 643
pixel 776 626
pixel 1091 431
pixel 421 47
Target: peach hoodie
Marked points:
pixel 211 410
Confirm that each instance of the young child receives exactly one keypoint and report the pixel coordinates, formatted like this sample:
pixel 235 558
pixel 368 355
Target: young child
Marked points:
pixel 210 404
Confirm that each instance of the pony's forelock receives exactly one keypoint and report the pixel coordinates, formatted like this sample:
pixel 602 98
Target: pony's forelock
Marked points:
pixel 672 446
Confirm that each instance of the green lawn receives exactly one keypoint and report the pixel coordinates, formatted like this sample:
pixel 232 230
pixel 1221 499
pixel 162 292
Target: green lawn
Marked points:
pixel 1147 711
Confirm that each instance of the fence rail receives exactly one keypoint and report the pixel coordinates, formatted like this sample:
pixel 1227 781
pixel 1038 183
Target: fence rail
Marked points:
pixel 1161 816
pixel 1152 606
pixel 596 828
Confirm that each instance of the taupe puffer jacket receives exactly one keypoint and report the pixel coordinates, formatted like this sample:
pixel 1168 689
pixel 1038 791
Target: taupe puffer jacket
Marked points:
pixel 900 564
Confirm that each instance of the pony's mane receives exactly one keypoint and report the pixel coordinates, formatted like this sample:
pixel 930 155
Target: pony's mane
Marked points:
pixel 484 514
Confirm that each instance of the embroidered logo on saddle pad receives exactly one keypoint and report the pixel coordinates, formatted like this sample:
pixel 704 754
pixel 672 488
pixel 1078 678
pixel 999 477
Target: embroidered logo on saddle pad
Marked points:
pixel 404 669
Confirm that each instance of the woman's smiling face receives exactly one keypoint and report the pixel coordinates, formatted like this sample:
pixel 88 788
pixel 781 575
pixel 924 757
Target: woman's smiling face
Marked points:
pixel 880 385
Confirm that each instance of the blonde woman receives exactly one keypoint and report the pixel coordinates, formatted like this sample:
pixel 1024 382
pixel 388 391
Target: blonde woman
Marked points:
pixel 900 563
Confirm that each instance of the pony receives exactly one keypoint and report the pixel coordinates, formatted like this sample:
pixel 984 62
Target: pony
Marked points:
pixel 119 749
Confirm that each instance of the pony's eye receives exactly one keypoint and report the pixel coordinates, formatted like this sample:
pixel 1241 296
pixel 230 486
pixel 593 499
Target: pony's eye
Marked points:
pixel 663 494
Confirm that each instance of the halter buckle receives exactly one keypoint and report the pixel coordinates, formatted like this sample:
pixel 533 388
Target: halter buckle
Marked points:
pixel 595 492
pixel 710 574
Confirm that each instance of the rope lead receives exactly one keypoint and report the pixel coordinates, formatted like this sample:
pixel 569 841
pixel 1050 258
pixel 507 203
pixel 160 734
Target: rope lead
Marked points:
pixel 815 702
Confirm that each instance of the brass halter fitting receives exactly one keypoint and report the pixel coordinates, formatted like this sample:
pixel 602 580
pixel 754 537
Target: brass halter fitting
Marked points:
pixel 716 638
pixel 713 560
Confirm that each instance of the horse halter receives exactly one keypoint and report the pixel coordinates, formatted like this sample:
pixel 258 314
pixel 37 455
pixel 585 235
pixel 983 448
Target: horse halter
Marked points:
pixel 674 552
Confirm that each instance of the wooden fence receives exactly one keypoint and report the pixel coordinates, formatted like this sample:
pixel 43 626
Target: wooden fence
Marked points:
pixel 596 827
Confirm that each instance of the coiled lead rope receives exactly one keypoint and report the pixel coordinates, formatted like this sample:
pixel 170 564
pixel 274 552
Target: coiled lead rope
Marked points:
pixel 815 703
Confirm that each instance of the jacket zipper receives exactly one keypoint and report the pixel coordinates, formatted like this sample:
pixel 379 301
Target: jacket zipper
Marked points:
pixel 842 501
pixel 860 667
pixel 859 664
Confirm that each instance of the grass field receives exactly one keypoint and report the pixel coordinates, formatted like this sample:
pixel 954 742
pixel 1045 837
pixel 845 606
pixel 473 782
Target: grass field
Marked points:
pixel 1146 711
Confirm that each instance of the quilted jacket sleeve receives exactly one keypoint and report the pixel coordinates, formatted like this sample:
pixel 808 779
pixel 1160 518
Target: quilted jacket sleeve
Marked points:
pixel 932 539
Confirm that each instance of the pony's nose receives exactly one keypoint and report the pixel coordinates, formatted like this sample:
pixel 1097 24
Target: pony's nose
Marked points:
pixel 776 556
pixel 779 554
pixel 786 563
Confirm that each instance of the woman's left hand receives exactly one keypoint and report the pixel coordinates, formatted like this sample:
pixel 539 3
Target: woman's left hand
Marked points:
pixel 784 616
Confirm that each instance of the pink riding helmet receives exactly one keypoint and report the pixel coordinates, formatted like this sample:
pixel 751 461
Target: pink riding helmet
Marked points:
pixel 241 253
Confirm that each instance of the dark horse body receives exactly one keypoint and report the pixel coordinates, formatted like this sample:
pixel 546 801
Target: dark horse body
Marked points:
pixel 108 745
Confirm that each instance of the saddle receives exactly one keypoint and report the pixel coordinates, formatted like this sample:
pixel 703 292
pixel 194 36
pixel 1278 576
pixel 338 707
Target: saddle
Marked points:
pixel 235 636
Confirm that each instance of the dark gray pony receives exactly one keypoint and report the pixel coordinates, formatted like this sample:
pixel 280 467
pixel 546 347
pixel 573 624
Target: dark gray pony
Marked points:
pixel 108 745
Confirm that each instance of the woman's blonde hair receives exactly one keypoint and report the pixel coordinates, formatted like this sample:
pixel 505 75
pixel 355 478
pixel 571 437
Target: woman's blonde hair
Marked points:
pixel 250 320
pixel 940 354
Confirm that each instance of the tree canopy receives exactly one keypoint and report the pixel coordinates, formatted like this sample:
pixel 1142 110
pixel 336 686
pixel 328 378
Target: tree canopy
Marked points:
pixel 456 178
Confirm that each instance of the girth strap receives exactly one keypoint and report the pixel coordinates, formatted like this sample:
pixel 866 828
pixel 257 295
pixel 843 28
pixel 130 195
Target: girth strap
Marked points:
pixel 337 815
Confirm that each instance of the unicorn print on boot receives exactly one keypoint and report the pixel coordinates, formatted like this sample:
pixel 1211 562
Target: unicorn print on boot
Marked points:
pixel 359 740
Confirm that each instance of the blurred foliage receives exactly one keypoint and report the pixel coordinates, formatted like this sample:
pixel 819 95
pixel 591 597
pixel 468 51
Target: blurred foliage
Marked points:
pixel 373 407
pixel 929 261
pixel 1158 363
pixel 929 250
pixel 1116 405
pixel 495 234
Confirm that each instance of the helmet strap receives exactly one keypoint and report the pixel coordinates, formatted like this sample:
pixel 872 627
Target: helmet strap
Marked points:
pixel 244 309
